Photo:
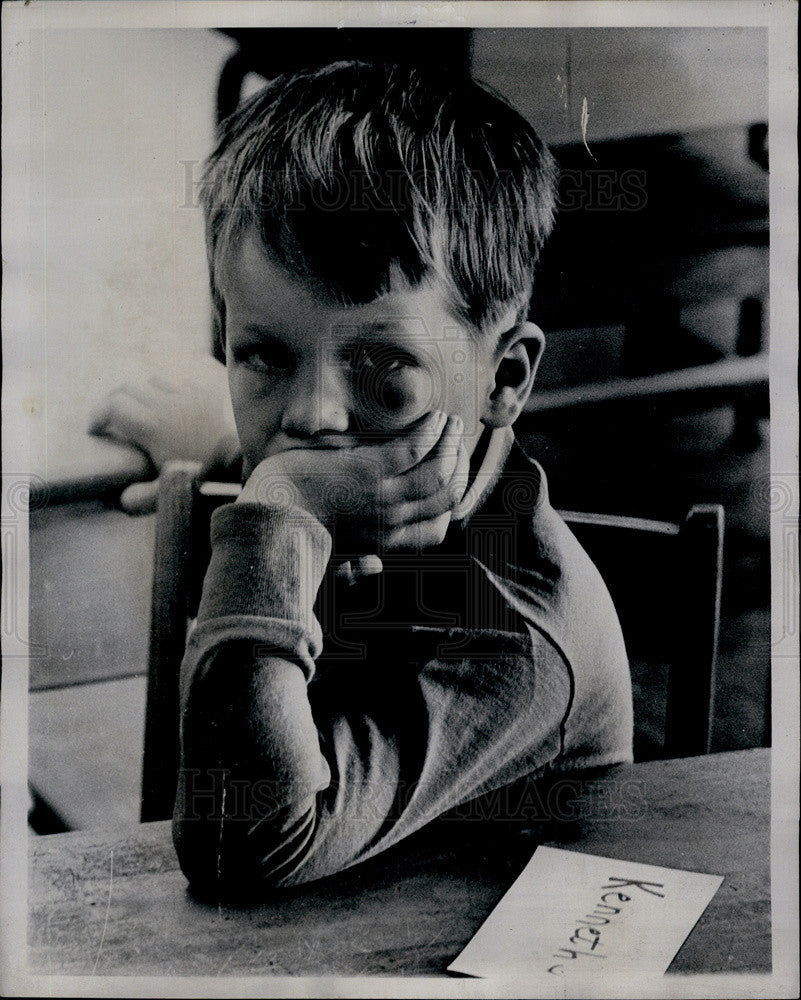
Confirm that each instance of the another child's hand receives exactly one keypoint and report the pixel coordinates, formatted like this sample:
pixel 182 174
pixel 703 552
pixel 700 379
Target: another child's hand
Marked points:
pixel 176 410
pixel 397 494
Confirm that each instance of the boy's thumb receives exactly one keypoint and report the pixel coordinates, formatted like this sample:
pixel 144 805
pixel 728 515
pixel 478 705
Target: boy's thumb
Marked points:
pixel 140 498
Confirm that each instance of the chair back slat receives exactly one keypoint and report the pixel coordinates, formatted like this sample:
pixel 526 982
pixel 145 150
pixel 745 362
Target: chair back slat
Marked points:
pixel 182 552
pixel 665 581
pixel 169 614
pixel 691 685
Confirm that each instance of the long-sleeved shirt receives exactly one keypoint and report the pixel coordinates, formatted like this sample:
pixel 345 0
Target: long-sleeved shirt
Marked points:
pixel 323 722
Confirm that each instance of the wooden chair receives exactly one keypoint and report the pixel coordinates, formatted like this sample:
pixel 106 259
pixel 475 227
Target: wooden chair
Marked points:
pixel 664 578
pixel 182 552
pixel 665 581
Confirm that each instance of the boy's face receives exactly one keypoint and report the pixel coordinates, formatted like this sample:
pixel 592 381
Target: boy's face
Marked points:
pixel 307 372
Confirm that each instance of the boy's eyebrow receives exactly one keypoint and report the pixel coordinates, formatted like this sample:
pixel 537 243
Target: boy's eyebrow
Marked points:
pixel 395 326
pixel 362 327
pixel 268 337
pixel 267 334
pixel 261 331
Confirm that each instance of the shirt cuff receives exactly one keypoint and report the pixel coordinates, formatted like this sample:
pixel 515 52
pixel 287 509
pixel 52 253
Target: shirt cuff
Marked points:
pixel 267 562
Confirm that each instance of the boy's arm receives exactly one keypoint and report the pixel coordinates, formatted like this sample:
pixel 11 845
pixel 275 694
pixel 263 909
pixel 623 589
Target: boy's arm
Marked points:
pixel 282 781
pixel 250 750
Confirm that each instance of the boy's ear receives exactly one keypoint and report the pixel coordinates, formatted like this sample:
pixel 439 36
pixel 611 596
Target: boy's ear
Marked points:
pixel 516 365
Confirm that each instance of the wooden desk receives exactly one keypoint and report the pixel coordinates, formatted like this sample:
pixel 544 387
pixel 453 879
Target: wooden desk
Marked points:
pixel 118 903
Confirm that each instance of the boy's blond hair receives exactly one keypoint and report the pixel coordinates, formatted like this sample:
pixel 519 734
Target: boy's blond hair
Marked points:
pixel 354 172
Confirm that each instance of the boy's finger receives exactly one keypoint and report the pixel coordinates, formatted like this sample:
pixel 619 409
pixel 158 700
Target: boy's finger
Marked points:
pixel 442 459
pixel 365 566
pixel 369 565
pixel 420 534
pixel 436 501
pixel 433 474
pixel 409 449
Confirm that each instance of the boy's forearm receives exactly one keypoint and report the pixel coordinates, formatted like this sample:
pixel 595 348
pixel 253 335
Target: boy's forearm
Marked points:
pixel 250 760
pixel 250 751
pixel 267 562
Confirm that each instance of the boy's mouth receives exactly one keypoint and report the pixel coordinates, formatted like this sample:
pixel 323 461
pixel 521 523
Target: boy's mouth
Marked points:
pixel 327 443
pixel 334 442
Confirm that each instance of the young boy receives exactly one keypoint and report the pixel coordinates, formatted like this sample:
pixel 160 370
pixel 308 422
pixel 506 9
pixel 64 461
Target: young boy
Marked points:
pixel 394 620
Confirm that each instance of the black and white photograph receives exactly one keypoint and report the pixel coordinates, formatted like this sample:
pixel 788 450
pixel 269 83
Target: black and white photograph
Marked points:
pixel 400 545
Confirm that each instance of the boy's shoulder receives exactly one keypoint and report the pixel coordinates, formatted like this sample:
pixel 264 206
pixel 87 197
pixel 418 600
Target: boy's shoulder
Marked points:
pixel 520 530
pixel 556 588
pixel 523 545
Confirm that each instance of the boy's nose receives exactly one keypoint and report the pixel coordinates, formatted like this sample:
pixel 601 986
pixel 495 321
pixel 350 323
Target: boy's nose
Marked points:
pixel 318 403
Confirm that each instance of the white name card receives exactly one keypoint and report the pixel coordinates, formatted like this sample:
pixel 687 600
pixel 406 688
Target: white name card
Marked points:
pixel 578 916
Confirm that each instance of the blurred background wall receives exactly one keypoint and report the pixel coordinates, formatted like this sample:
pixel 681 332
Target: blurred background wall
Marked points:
pixel 116 255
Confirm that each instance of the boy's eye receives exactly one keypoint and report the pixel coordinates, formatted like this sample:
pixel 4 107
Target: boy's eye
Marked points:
pixel 379 360
pixel 261 358
pixel 380 376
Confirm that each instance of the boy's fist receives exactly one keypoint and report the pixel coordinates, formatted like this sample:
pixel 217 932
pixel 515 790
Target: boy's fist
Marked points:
pixel 398 494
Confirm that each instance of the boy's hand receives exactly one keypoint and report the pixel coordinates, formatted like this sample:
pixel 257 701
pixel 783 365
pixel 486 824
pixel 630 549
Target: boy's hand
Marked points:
pixel 398 494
